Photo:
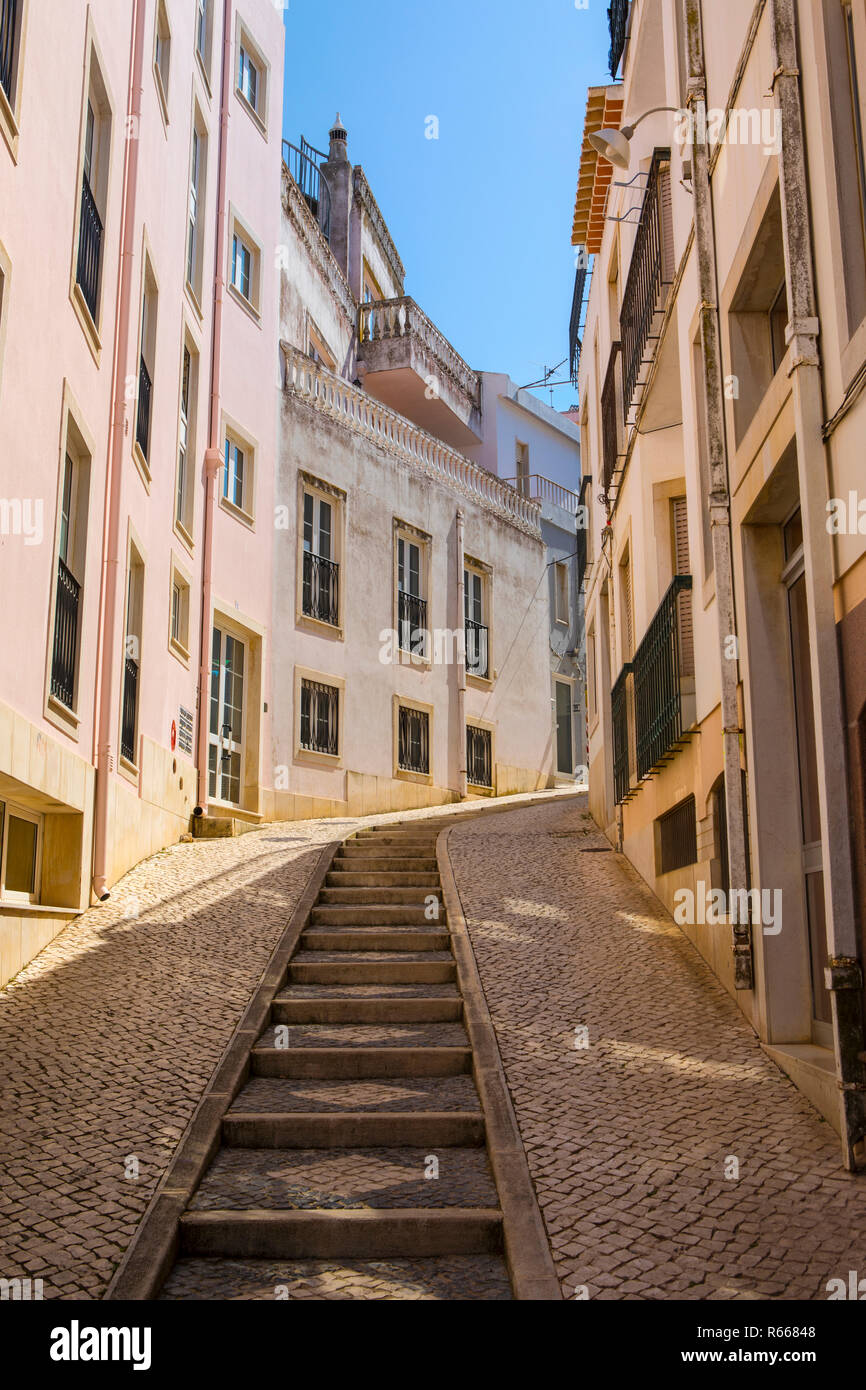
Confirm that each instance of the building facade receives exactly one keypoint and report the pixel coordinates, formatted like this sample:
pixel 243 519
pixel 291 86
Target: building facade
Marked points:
pixel 721 370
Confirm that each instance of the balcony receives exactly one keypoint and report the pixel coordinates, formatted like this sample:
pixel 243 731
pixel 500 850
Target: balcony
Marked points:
pixel 574 343
pixel 142 423
pixel 349 408
pixel 321 594
pixel 303 165
pixel 66 611
pixel 89 249
pixel 477 644
pixel 412 623
pixel 130 709
pixel 650 276
pixel 653 699
pixel 583 565
pixel 537 488
pixel 610 420
pixel 617 18
pixel 411 367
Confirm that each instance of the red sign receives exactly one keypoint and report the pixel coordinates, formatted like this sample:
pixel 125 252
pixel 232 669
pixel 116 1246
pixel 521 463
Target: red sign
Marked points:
pixel 173 736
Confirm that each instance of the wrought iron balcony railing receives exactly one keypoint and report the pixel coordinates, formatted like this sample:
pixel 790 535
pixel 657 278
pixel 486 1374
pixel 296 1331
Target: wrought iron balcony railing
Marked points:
pixel 129 710
pixel 574 344
pixel 479 759
pixel 8 19
pixel 583 532
pixel 617 18
pixel 321 594
pixel 142 425
pixel 609 420
pixel 320 718
pixel 89 248
pixel 649 278
pixel 303 165
pixel 412 623
pixel 66 610
pixel 658 675
pixel 619 707
pixel 477 638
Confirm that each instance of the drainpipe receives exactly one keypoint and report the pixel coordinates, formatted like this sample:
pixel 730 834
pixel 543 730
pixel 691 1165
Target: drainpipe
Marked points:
pixel 844 974
pixel 719 500
pixel 461 660
pixel 213 453
pixel 112 588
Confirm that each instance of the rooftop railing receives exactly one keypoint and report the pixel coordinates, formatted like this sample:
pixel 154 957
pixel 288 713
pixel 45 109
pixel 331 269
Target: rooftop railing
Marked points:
pixel 303 165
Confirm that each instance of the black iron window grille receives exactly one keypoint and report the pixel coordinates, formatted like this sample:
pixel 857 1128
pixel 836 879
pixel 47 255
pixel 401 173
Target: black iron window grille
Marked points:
pixel 89 248
pixel 321 596
pixel 479 756
pixel 8 25
pixel 65 635
pixel 619 720
pixel 617 19
pixel 142 425
pixel 130 706
pixel 477 643
pixel 678 836
pixel 609 420
pixel 320 718
pixel 650 274
pixel 658 673
pixel 413 753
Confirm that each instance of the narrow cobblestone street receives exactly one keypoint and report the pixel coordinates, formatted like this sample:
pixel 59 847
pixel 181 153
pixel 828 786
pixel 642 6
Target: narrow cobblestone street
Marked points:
pixel 112 1033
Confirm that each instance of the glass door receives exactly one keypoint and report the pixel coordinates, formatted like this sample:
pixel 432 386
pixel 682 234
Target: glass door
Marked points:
pixel 225 747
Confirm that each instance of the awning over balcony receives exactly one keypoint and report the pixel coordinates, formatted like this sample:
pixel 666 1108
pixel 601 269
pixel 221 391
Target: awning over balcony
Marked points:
pixel 603 112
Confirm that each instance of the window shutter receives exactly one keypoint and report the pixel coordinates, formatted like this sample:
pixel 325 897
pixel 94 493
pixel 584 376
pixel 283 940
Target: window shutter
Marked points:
pixel 682 565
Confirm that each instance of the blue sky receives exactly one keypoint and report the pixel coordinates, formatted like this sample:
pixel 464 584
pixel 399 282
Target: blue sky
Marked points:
pixel 481 216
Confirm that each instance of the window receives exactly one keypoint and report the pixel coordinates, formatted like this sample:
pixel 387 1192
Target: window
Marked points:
pixel 203 36
pixel 591 696
pixel 162 56
pixel 413 733
pixel 562 601
pixel 372 289
pixel 11 26
pixel 411 590
pixel 252 76
pixel 244 265
pixel 778 317
pixel 20 851
pixel 131 659
pixel 626 615
pixel 758 318
pixel 320 718
pixel 147 354
pixel 682 565
pixel 71 542
pixel 318 349
pixel 477 631
pixel 522 465
pixel 678 837
pixel 238 489
pixel 700 400
pixel 479 756
pixel 195 218
pixel 321 572
pixel 183 507
pixel 178 631
pixel 95 147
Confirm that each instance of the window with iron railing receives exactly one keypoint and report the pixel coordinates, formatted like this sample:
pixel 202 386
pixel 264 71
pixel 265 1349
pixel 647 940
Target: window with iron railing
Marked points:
pixel 617 19
pixel 8 47
pixel 320 718
pixel 89 248
pixel 678 837
pixel 475 630
pixel 413 751
pixel 65 635
pixel 479 756
pixel 130 709
pixel 609 420
pixel 650 275
pixel 658 675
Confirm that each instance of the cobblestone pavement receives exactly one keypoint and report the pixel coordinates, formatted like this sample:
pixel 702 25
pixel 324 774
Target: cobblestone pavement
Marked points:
pixel 627 1139
pixel 108 1038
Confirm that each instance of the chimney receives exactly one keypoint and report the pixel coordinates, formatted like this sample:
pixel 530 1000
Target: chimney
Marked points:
pixel 338 172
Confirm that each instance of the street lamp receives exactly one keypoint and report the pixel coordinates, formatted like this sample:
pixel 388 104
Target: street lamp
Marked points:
pixel 614 144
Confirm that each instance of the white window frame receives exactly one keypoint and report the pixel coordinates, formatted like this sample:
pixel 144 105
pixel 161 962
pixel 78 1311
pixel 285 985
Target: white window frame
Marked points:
pixel 560 568
pixel 180 583
pixel 21 813
pixel 240 233
pixel 162 57
pixel 194 247
pixel 186 441
pixel 10 104
pixel 234 438
pixel 311 755
pixel 409 535
pixel 484 575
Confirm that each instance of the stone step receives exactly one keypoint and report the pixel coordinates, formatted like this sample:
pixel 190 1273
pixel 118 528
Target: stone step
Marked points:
pixel 374 914
pixel 383 1094
pixel 340 1035
pixel 390 835
pixel 387 1009
pixel 379 893
pixel 403 968
pixel 374 939
pixel 463 1278
pixel 429 1129
pixel 344 1062
pixel 352 1234
pixel 381 878
pixel 361 863
pixel 317 1179
pixel 364 991
pixel 389 849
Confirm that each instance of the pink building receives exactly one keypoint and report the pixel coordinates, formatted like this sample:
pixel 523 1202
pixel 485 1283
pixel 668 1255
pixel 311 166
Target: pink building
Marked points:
pixel 139 173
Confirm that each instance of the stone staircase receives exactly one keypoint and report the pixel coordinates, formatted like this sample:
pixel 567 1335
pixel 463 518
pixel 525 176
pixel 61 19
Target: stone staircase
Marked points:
pixel 353 1162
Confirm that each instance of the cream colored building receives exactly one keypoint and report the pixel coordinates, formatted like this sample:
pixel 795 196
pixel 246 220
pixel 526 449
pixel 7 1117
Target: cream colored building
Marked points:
pixel 721 371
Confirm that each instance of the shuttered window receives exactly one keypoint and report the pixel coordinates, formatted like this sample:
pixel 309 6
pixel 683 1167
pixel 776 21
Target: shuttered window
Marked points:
pixel 682 565
pixel 626 606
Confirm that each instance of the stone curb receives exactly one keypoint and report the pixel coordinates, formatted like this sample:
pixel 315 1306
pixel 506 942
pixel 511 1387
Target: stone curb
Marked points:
pixel 527 1251
pixel 154 1247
